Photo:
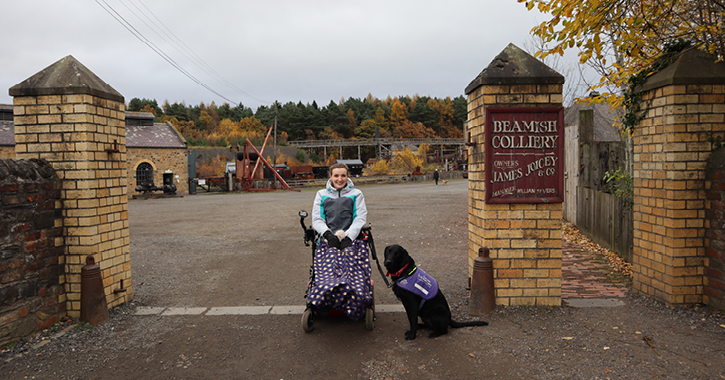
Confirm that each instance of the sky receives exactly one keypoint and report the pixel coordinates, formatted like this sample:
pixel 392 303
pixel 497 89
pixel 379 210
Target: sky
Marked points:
pixel 256 52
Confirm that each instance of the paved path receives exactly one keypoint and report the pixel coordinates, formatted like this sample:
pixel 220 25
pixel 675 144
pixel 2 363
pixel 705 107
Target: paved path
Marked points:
pixel 586 282
pixel 585 275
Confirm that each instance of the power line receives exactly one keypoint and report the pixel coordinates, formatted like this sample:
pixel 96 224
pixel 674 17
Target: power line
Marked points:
pixel 181 43
pixel 126 24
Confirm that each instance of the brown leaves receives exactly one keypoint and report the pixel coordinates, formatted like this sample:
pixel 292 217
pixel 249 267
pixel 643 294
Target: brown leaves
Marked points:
pixel 572 235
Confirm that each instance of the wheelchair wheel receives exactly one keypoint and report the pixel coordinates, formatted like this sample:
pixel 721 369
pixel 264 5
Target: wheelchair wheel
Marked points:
pixel 370 311
pixel 308 318
pixel 369 318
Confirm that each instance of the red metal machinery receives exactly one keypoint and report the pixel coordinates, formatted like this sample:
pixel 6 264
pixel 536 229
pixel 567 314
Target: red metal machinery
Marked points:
pixel 247 176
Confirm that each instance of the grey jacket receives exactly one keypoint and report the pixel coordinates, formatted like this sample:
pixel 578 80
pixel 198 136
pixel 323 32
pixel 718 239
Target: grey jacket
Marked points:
pixel 342 209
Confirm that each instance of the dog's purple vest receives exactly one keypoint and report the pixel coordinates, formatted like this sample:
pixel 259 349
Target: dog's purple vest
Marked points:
pixel 420 283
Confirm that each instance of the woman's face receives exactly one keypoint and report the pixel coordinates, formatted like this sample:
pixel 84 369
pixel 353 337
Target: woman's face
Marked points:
pixel 339 178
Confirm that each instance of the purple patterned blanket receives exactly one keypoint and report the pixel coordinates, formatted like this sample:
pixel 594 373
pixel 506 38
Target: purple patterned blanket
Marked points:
pixel 342 279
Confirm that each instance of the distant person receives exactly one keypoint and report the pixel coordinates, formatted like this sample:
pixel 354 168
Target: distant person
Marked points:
pixel 436 176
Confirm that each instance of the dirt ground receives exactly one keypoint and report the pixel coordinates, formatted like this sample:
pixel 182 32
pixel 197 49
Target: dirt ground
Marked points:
pixel 228 250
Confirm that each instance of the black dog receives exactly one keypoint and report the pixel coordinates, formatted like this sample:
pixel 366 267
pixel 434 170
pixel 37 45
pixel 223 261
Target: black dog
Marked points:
pixel 420 295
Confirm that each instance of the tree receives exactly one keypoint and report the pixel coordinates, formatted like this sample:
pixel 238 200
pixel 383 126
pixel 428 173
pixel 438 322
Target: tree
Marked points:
pixel 460 111
pixel 351 121
pixel 380 167
pixel 622 38
pixel 446 117
pixel 363 109
pixel 205 119
pixel 380 119
pixel 423 153
pixel 335 117
pixel 144 105
pixel 405 160
pixel 228 128
pixel 421 112
pixel 179 111
pixel 265 115
pixel 252 124
pixel 398 113
pixel 366 130
pixel 408 129
pixel 329 133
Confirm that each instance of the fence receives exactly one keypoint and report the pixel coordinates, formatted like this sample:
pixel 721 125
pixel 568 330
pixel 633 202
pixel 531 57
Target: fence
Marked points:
pixel 604 218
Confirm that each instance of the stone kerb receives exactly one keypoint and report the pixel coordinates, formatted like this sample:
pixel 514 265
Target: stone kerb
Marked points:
pixel 524 238
pixel 684 104
pixel 68 116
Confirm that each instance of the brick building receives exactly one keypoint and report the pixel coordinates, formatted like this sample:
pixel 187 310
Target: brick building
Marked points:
pixel 152 148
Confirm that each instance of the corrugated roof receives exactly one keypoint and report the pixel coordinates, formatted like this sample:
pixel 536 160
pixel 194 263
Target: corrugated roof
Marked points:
pixel 153 136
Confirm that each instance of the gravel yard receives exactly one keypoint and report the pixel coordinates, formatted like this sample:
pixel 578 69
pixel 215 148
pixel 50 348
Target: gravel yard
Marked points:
pixel 234 250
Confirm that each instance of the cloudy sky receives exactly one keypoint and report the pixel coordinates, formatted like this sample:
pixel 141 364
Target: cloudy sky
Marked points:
pixel 256 52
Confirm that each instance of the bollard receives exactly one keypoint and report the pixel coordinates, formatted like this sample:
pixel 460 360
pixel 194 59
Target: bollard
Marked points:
pixel 94 309
pixel 483 296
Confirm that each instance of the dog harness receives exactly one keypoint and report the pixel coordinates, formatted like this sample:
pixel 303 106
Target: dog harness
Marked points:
pixel 420 283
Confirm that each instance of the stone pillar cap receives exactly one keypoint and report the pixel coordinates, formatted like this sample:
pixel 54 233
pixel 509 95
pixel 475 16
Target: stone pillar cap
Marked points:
pixel 515 66
pixel 693 66
pixel 66 77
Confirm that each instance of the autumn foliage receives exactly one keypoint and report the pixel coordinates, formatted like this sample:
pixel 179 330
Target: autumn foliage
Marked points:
pixel 405 117
pixel 621 38
pixel 212 167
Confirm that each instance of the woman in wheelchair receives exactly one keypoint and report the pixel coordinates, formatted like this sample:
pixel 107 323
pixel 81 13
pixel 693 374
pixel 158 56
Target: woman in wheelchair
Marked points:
pixel 339 210
pixel 341 263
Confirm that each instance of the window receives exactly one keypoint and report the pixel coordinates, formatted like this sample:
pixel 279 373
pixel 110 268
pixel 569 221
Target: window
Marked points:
pixel 144 174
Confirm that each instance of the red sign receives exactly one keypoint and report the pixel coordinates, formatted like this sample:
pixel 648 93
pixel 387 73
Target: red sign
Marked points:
pixel 524 159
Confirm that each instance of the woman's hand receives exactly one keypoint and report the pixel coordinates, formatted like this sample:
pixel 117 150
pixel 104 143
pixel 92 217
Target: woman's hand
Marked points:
pixel 344 243
pixel 332 240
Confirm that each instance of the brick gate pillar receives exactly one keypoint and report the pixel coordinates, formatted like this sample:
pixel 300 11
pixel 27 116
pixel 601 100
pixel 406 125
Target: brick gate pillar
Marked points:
pixel 524 238
pixel 684 104
pixel 70 117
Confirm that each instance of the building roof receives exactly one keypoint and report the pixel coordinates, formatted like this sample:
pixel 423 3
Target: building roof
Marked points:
pixel 604 120
pixel 7 133
pixel 139 118
pixel 350 162
pixel 158 135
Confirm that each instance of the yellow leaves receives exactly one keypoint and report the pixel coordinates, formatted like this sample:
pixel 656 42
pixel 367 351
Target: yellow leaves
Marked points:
pixel 380 167
pixel 405 160
pixel 572 235
pixel 635 32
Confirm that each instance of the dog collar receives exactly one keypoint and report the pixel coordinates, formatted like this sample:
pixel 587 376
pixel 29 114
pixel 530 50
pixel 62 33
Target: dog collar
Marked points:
pixel 398 273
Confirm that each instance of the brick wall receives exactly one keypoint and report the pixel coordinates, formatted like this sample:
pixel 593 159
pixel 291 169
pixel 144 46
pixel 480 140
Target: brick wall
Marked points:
pixel 73 119
pixel 7 152
pixel 161 159
pixel 714 281
pixel 31 242
pixel 670 152
pixel 73 132
pixel 524 239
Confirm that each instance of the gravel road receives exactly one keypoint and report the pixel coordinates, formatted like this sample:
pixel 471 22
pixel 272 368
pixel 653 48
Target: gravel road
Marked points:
pixel 229 250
